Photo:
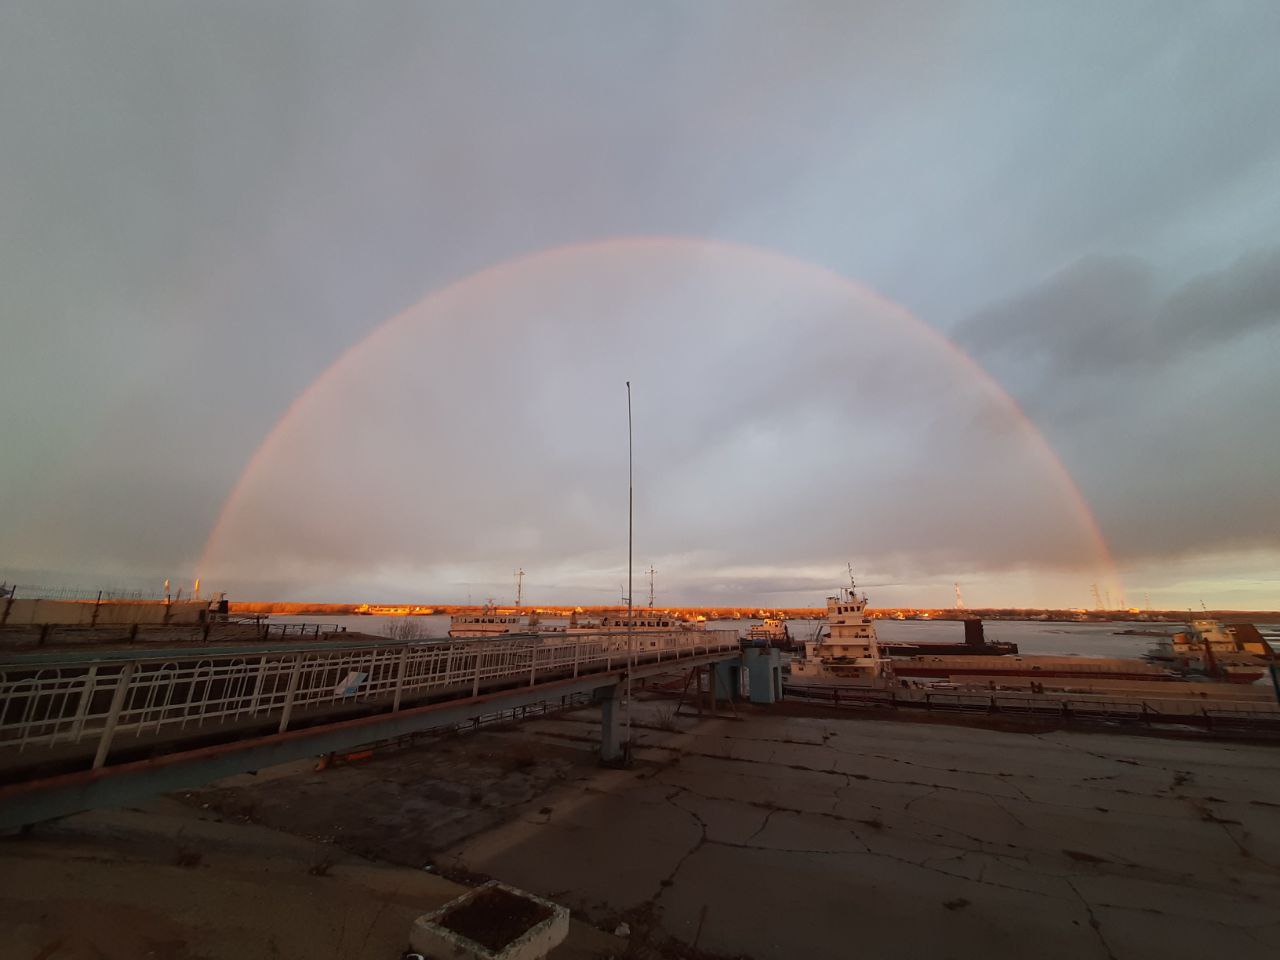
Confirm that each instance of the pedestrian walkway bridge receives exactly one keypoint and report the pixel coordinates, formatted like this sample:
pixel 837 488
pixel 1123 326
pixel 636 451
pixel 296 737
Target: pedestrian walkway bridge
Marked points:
pixel 88 729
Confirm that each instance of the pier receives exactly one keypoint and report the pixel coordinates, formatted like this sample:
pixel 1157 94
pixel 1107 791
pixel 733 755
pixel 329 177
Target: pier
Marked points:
pixel 1256 716
pixel 82 730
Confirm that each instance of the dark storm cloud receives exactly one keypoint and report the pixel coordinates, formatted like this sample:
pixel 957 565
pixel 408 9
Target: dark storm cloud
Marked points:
pixel 1094 312
pixel 1104 313
pixel 1215 307
pixel 1162 404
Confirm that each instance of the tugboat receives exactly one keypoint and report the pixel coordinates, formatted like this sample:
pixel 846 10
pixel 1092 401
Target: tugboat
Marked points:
pixel 849 653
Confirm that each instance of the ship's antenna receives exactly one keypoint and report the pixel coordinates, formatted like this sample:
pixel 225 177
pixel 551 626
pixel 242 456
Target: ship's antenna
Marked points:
pixel 853 587
pixel 520 588
pixel 651 571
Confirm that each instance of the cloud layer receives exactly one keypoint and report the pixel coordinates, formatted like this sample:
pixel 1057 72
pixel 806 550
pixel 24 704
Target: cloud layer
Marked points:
pixel 202 207
pixel 784 419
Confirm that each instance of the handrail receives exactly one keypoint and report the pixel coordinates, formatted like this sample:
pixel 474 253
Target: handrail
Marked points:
pixel 70 701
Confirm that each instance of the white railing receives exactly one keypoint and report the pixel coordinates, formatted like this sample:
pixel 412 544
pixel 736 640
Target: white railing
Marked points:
pixel 77 700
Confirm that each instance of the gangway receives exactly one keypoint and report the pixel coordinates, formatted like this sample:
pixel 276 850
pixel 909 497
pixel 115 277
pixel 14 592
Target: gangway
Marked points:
pixel 85 730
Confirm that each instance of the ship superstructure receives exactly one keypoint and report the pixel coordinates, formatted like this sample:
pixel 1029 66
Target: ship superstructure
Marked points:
pixel 495 622
pixel 849 651
pixel 1237 653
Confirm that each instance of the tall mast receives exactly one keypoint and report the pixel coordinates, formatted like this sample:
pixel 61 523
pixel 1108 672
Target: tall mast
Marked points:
pixel 651 587
pixel 631 499
pixel 520 588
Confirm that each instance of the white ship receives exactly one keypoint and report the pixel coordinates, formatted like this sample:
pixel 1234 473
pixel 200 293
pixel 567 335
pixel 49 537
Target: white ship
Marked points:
pixel 642 621
pixel 772 632
pixel 849 652
pixel 493 622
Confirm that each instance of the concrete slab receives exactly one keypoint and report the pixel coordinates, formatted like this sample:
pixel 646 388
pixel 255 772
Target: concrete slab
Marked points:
pixel 821 838
pixel 163 882
pixel 775 837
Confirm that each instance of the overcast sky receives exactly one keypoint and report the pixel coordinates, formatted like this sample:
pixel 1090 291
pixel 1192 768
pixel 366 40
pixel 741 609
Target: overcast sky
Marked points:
pixel 204 207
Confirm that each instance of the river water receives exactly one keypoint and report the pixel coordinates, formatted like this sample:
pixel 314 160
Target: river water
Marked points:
pixel 1031 636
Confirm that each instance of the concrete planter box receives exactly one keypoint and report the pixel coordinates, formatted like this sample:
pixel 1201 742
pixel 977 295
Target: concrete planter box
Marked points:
pixel 429 938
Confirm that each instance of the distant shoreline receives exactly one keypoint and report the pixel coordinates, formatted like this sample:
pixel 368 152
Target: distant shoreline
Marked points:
pixel 299 608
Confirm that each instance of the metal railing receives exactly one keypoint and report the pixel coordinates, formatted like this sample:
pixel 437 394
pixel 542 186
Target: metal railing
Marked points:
pixel 43 705
pixel 272 631
pixel 1087 706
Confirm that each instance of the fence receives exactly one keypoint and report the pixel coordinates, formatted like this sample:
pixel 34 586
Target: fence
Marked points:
pixel 284 631
pixel 1096 707
pixel 21 611
pixel 29 592
pixel 48 704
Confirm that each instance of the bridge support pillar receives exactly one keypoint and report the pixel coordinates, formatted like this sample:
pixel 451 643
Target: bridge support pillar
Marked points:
pixel 613 745
pixel 728 681
pixel 764 673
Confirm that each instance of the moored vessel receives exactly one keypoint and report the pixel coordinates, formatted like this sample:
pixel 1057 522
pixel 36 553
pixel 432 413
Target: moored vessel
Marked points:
pixel 493 622
pixel 848 653
pixel 772 632
pixel 1237 653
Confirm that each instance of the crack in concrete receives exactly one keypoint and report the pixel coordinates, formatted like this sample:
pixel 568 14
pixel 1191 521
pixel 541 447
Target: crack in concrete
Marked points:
pixel 958 770
pixel 764 823
pixel 914 800
pixel 1009 813
pixel 988 852
pixel 983 847
pixel 866 851
pixel 788 740
pixel 911 783
pixel 702 839
pixel 1093 921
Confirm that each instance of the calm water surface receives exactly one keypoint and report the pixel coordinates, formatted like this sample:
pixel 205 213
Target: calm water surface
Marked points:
pixel 1062 639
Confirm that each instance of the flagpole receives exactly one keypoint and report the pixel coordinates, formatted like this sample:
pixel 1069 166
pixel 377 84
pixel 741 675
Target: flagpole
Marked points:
pixel 630 549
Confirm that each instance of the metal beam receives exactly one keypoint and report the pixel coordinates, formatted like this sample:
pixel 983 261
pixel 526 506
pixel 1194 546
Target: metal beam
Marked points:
pixel 59 796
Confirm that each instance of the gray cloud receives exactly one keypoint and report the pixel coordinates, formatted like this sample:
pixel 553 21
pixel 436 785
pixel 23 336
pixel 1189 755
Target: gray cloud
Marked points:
pixel 1104 313
pixel 1217 306
pixel 1160 404
pixel 202 206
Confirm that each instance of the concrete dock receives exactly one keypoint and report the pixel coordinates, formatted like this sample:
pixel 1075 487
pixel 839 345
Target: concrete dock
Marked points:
pixel 171 882
pixel 783 837
pixel 776 836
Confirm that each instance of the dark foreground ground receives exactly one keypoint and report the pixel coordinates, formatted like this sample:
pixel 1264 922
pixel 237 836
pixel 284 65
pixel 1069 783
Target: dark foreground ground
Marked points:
pixel 770 836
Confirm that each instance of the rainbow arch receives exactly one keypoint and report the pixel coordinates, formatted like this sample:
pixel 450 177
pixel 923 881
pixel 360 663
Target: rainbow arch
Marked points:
pixel 692 246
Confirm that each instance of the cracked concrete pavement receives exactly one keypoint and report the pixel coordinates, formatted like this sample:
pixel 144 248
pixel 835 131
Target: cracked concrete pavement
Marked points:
pixel 769 836
pixel 171 881
pixel 778 837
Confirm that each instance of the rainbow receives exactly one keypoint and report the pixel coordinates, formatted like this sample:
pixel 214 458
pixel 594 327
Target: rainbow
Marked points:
pixel 692 247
